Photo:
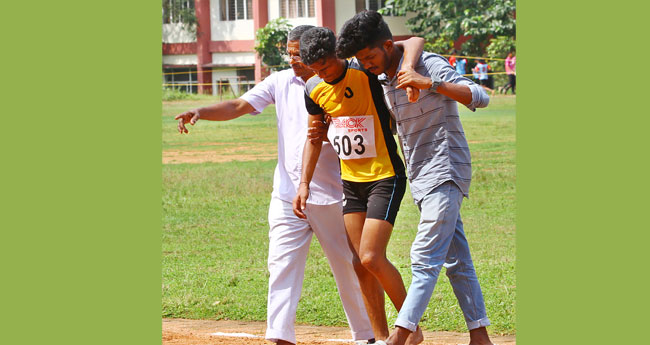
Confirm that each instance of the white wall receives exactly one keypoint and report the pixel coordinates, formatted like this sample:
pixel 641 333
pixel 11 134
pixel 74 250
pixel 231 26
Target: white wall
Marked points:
pixel 233 58
pixel 180 59
pixel 229 73
pixel 345 9
pixel 302 21
pixel 229 30
pixel 397 25
pixel 174 33
pixel 274 9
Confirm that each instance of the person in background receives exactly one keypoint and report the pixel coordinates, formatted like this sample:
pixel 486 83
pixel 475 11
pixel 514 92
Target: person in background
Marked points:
pixel 480 71
pixel 460 65
pixel 452 59
pixel 510 63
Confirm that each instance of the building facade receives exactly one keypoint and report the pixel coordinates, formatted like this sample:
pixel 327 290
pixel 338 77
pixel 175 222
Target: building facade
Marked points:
pixel 222 52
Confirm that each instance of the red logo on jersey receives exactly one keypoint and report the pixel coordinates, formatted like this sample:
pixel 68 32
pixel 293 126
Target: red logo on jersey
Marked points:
pixel 350 123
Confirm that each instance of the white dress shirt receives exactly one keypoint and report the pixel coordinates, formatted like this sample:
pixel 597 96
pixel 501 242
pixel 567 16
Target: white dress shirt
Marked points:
pixel 286 91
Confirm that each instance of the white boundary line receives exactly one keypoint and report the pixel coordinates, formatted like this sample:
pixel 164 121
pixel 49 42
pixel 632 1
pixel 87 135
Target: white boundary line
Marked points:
pixel 238 335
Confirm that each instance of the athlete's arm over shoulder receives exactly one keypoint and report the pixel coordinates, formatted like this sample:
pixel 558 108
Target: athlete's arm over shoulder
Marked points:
pixel 412 49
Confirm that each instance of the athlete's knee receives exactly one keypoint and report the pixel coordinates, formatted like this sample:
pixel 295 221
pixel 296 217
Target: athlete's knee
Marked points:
pixel 372 261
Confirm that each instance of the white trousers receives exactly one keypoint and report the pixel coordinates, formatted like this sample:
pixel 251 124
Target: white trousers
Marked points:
pixel 289 240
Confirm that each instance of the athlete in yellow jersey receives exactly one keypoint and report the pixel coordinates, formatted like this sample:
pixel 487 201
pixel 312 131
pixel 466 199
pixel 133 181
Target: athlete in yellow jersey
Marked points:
pixel 360 128
pixel 373 174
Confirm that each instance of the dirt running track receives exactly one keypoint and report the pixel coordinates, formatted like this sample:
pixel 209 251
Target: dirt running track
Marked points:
pixel 200 332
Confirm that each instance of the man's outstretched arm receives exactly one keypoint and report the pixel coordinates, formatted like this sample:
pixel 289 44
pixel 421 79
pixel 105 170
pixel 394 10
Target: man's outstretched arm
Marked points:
pixel 222 111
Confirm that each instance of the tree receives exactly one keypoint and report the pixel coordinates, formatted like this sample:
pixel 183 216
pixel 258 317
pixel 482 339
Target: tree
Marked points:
pixel 271 43
pixel 442 22
pixel 499 48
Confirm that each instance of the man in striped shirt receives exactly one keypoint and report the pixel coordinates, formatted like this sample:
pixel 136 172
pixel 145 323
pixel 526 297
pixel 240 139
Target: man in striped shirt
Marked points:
pixel 438 163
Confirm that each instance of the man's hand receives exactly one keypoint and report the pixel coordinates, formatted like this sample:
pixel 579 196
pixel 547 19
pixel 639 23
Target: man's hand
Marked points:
pixel 412 92
pixel 190 116
pixel 319 131
pixel 411 78
pixel 300 201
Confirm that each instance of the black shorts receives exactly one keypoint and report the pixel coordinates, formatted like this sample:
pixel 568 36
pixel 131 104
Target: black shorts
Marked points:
pixel 379 199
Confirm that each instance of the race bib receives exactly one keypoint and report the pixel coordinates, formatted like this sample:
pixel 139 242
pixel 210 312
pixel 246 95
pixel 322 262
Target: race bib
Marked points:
pixel 353 137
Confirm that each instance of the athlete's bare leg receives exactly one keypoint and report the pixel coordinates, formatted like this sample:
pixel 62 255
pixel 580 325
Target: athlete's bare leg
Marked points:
pixel 372 252
pixel 373 293
pixel 374 240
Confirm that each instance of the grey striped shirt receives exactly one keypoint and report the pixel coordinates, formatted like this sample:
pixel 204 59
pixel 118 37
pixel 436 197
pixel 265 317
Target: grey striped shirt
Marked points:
pixel 430 133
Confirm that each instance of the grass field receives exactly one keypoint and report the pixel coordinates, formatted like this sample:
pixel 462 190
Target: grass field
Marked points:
pixel 215 225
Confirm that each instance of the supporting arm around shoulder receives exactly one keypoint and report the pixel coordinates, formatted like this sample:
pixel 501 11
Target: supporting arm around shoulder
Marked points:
pixel 412 50
pixel 310 156
pixel 222 111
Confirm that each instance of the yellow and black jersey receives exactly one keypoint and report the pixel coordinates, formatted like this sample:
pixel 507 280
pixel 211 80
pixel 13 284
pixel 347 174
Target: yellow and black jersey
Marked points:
pixel 360 130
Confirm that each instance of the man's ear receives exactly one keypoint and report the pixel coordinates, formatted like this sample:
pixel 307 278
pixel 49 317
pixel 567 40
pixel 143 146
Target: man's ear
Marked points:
pixel 388 46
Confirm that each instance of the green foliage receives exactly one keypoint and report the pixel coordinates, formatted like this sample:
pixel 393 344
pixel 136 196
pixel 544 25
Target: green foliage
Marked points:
pixel 271 43
pixel 180 11
pixel 499 48
pixel 441 44
pixel 440 21
pixel 173 94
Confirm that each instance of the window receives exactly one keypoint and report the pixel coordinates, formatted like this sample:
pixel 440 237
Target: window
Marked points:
pixel 181 78
pixel 236 9
pixel 373 5
pixel 297 8
pixel 173 11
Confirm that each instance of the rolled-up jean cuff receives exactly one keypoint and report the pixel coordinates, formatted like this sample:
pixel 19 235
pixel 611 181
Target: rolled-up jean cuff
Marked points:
pixel 363 335
pixel 406 324
pixel 484 322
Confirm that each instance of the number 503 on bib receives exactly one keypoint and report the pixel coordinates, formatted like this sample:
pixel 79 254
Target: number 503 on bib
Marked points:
pixel 353 137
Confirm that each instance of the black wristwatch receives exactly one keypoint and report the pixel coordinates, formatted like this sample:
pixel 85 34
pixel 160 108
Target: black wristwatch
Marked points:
pixel 435 82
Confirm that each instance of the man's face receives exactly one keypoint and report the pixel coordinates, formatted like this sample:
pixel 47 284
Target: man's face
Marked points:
pixel 299 68
pixel 375 60
pixel 327 68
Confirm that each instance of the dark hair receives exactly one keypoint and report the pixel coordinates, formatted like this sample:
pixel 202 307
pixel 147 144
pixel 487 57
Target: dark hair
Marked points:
pixel 296 33
pixel 317 43
pixel 365 29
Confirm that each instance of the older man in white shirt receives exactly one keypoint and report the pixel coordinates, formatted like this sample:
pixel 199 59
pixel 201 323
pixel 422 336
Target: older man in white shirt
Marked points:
pixel 290 236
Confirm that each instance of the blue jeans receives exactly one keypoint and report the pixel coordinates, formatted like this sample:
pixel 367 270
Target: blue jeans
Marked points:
pixel 441 241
